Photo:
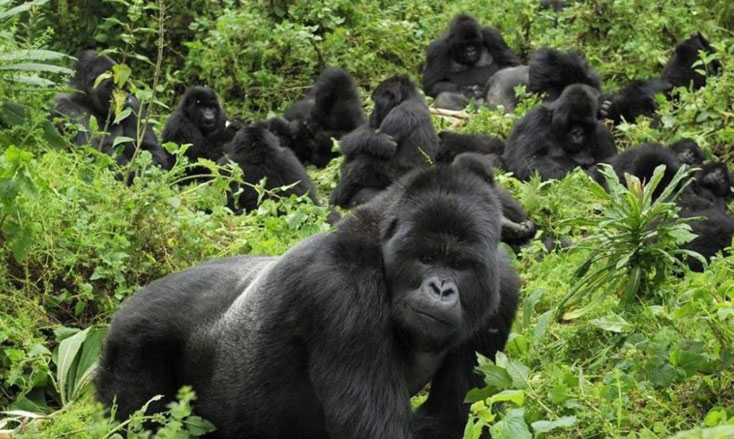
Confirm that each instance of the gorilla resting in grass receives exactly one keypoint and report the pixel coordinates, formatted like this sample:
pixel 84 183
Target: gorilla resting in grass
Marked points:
pixel 90 101
pixel 331 339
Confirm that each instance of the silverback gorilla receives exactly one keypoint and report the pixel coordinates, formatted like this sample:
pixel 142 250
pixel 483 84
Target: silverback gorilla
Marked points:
pixel 459 64
pixel 95 101
pixel 332 338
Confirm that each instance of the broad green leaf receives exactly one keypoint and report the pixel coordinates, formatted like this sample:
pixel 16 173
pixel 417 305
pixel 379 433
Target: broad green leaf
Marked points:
pixel 512 426
pixel 613 323
pixel 68 350
pixel 545 426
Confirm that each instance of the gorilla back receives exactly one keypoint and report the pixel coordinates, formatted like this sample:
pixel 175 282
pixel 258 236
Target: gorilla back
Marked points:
pixel 330 339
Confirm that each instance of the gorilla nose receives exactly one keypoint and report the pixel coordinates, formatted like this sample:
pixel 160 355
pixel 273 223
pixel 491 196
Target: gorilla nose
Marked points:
pixel 442 292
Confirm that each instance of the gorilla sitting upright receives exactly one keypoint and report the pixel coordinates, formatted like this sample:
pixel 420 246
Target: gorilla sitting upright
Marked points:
pixel 459 64
pixel 332 338
pixel 90 101
pixel 556 137
pixel 398 137
pixel 331 109
pixel 200 121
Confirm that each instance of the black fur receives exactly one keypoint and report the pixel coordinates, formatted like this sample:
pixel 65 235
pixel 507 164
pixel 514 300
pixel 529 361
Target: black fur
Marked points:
pixel 200 121
pixel 389 145
pixel 711 187
pixel 556 137
pixel 501 87
pixel 453 144
pixel 688 152
pixel 636 99
pixel 517 229
pixel 641 162
pixel 679 71
pixel 330 339
pixel 459 63
pixel 89 101
pixel 551 71
pixel 257 152
pixel 714 232
pixel 330 110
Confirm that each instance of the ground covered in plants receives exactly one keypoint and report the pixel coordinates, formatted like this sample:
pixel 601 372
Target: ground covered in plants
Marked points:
pixel 75 241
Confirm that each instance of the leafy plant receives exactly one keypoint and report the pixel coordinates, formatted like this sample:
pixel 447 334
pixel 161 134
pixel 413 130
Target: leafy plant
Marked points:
pixel 635 243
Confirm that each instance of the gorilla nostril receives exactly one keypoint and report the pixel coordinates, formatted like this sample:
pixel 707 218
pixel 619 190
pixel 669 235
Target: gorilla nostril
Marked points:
pixel 435 289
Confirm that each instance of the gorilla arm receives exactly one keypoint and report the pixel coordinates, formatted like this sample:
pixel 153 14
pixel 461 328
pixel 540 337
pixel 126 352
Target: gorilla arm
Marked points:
pixel 502 56
pixel 438 66
pixel 365 140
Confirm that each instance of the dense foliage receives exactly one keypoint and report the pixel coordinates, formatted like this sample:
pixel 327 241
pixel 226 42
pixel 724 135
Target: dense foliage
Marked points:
pixel 75 241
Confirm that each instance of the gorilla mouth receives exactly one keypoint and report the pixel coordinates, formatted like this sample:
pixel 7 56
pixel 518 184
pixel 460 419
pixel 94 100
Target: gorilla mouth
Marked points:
pixel 430 316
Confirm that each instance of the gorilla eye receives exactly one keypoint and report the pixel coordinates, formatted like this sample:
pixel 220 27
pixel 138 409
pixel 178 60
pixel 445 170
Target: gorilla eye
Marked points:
pixel 428 258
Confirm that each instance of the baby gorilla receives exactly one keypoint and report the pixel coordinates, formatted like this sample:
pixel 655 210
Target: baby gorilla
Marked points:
pixel 200 121
pixel 688 152
pixel 711 187
pixel 331 339
pixel 459 64
pixel 554 138
pixel 257 152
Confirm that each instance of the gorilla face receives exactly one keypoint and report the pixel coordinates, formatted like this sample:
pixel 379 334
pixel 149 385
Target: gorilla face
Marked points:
pixel 465 40
pixel 716 178
pixel 688 152
pixel 441 269
pixel 100 97
pixel 202 108
pixel 574 117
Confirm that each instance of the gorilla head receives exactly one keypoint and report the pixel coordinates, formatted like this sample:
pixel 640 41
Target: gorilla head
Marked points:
pixel 573 121
pixel 680 72
pixel 550 71
pixel 715 178
pixel 465 40
pixel 442 280
pixel 201 106
pixel 388 95
pixel 688 152
pixel 87 69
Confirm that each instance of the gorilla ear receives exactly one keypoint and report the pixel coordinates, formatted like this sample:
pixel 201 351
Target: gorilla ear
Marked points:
pixel 390 230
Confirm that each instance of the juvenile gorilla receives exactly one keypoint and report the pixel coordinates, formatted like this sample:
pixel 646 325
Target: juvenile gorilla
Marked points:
pixel 459 63
pixel 200 121
pixel 393 142
pixel 517 229
pixel 332 338
pixel 680 72
pixel 257 152
pixel 89 102
pixel 711 187
pixel 330 110
pixel 556 137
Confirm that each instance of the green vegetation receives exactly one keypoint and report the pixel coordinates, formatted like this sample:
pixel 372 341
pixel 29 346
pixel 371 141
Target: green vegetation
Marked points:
pixel 75 241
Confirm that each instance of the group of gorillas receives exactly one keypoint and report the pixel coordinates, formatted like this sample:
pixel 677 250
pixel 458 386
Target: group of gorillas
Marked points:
pixel 331 339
